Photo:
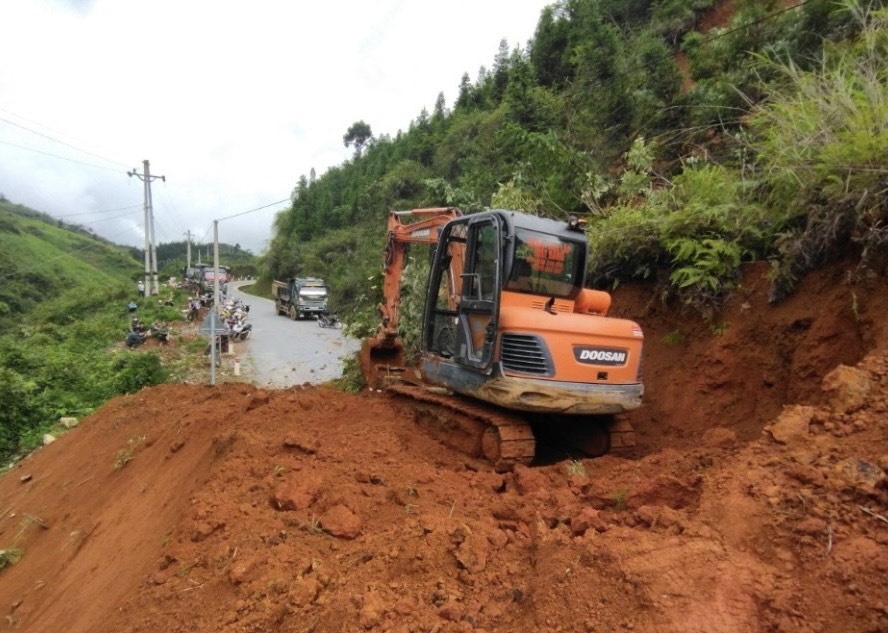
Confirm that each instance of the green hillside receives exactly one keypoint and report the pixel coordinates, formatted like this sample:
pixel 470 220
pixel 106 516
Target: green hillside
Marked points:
pixel 692 136
pixel 63 304
pixel 42 259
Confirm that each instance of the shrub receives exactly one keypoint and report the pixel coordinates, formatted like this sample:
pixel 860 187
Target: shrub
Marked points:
pixel 135 370
pixel 821 142
pixel 17 412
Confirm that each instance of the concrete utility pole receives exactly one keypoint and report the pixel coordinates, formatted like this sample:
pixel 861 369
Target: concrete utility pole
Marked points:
pixel 150 246
pixel 188 250
pixel 216 266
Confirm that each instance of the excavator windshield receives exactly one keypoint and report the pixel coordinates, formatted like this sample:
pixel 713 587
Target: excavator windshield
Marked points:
pixel 546 264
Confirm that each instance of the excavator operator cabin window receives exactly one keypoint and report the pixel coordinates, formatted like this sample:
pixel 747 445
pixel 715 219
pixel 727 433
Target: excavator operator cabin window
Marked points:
pixel 485 260
pixel 546 264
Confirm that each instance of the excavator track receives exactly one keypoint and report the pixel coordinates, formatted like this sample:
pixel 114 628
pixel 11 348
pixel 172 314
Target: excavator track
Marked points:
pixel 504 440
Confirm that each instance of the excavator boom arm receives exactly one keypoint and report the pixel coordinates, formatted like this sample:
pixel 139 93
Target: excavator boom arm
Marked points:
pixel 402 232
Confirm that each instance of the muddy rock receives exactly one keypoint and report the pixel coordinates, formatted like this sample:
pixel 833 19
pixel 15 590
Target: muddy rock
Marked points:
pixel 587 519
pixel 792 426
pixel 304 591
pixel 529 481
pixel 240 571
pixel 848 388
pixel 295 494
pixel 342 522
pixel 472 554
pixel 719 437
pixel 372 610
pixel 664 491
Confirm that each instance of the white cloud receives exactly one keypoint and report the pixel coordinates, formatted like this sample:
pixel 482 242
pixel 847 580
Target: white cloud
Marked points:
pixel 232 102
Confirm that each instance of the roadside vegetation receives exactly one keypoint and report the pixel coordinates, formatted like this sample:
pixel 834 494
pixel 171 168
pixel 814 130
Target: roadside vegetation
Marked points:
pixel 63 312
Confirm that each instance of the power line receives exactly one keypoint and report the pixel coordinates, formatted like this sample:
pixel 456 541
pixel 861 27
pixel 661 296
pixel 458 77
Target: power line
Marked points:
pixel 764 18
pixel 271 204
pixel 236 215
pixel 173 211
pixel 72 160
pixel 71 215
pixel 60 142
pixel 114 217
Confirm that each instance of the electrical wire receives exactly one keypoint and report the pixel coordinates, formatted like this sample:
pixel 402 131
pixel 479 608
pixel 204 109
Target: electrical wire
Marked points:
pixel 164 191
pixel 71 215
pixel 72 160
pixel 757 21
pixel 60 142
pixel 114 217
pixel 271 204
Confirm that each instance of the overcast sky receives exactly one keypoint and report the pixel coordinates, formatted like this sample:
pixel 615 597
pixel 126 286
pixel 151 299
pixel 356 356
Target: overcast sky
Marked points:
pixel 230 101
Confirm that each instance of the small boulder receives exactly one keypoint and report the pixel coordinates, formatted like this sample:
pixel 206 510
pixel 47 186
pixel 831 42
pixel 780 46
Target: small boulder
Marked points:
pixel 848 388
pixel 792 425
pixel 587 519
pixel 473 552
pixel 295 495
pixel 341 522
pixel 68 422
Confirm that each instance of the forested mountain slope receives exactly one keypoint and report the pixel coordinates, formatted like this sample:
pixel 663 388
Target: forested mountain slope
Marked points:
pixel 693 136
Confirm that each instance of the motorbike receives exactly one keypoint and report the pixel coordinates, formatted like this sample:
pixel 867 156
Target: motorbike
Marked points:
pixel 134 339
pixel 159 333
pixel 326 319
pixel 239 331
pixel 235 308
pixel 221 348
pixel 137 334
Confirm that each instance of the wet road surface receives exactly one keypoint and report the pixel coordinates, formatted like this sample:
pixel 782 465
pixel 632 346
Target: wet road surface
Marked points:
pixel 280 352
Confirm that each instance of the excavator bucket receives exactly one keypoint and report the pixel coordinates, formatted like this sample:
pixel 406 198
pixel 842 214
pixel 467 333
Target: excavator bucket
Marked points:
pixel 382 362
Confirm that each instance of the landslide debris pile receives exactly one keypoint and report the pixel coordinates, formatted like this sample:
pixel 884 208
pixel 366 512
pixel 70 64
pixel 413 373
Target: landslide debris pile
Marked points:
pixel 186 508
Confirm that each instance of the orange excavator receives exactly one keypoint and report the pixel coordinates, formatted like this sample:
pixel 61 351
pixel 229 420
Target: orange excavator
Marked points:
pixel 511 339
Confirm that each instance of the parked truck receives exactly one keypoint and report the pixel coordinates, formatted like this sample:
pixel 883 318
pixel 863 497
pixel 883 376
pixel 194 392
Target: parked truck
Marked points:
pixel 299 297
pixel 208 276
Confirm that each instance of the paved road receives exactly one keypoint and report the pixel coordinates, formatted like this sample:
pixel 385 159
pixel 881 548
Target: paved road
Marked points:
pixel 282 352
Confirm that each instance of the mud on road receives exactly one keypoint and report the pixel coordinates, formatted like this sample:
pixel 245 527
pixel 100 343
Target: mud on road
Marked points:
pixel 757 499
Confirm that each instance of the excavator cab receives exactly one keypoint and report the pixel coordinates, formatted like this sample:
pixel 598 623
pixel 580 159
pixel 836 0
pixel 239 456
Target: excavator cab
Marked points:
pixel 508 321
pixel 463 301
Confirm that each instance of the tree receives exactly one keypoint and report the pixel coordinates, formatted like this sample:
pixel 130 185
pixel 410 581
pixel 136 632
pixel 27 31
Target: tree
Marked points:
pixel 440 108
pixel 501 70
pixel 550 54
pixel 358 135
